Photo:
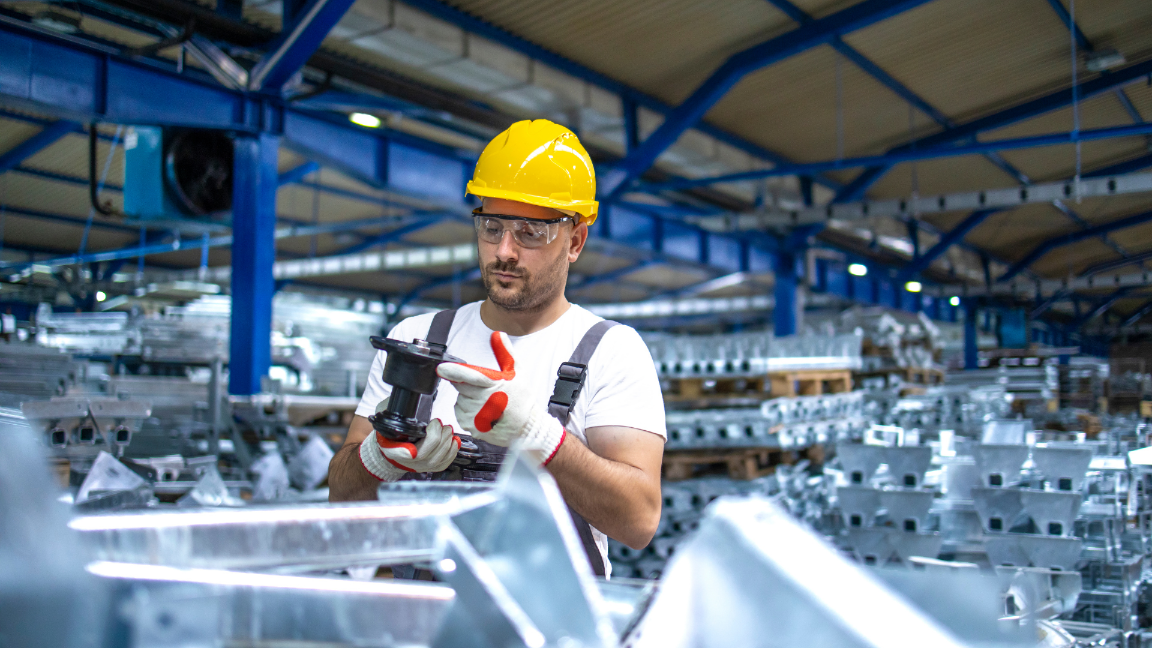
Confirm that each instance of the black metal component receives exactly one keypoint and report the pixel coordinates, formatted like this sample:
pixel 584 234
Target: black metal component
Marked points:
pixel 411 371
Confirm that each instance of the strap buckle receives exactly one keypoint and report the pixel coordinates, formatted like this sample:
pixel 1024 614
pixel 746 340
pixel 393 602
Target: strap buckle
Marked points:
pixel 569 381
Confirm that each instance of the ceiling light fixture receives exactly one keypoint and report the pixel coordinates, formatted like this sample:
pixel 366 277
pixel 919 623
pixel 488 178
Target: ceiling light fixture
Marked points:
pixel 955 301
pixel 1104 59
pixel 365 120
pixel 913 287
pixel 57 21
pixel 857 269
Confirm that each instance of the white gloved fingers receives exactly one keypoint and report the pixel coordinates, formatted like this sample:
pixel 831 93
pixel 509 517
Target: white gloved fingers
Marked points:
pixel 444 452
pixel 464 376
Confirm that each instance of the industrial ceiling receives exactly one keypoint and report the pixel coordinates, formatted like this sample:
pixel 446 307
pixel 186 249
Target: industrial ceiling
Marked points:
pixel 937 74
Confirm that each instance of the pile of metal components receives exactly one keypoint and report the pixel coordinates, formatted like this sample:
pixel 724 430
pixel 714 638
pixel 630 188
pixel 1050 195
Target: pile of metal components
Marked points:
pixel 507 559
pixel 962 409
pixel 1034 389
pixel 749 354
pixel 316 348
pixel 784 423
pixel 1066 522
pixel 150 389
pixel 893 338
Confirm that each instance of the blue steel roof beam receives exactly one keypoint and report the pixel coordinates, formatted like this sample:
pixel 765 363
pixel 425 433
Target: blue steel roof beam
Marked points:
pixel 38 142
pixel 904 92
pixel 1138 315
pixel 1021 112
pixel 475 25
pixel 1101 307
pixel 297 43
pixel 1076 218
pixel 76 75
pixel 69 220
pixel 196 243
pixel 692 110
pixel 954 236
pixel 911 155
pixel 1116 264
pixel 1074 237
pixel 1048 303
pixel 1086 45
pixel 1129 166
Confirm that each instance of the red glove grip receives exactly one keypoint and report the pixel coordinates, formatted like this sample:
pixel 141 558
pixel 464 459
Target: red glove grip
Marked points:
pixel 491 412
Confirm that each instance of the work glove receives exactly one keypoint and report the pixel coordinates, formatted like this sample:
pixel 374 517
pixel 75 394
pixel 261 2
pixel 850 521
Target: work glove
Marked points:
pixel 389 460
pixel 499 408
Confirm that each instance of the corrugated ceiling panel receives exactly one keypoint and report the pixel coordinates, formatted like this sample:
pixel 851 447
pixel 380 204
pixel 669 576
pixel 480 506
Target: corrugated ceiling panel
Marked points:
pixel 968 173
pixel 664 47
pixel 50 196
pixel 13 132
pixel 20 232
pixel 791 107
pixel 972 57
pixel 1074 258
pixel 69 156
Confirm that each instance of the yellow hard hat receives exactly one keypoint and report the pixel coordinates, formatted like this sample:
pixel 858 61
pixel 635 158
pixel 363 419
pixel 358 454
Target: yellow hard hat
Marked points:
pixel 540 163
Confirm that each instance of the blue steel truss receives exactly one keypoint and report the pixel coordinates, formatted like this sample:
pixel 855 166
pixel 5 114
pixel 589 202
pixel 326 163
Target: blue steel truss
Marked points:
pixel 298 41
pixel 692 110
pixel 911 155
pixel 1074 237
pixel 888 81
pixel 1027 110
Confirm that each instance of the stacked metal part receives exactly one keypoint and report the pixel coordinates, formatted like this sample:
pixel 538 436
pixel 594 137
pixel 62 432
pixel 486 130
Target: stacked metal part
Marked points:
pixel 894 338
pixel 1033 385
pixel 749 354
pixel 317 348
pixel 1066 523
pixel 779 423
pixel 508 560
pixel 962 409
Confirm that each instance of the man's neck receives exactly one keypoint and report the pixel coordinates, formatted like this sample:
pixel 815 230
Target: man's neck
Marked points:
pixel 519 323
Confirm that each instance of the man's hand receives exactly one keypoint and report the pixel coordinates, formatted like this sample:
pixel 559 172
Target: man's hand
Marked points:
pixel 497 407
pixel 388 460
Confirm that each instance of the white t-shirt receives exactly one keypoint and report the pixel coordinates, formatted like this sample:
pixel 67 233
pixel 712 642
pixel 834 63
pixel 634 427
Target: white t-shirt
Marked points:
pixel 621 387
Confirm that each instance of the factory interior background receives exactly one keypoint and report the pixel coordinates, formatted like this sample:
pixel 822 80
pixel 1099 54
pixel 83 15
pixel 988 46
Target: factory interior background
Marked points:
pixel 892 261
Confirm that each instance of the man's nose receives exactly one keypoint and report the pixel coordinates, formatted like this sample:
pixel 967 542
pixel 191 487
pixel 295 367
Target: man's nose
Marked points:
pixel 507 249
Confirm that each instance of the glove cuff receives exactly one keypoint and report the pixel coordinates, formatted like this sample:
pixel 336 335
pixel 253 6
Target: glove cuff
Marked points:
pixel 543 436
pixel 374 461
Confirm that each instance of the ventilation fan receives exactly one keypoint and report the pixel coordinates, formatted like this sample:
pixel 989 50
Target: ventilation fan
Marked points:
pixel 198 172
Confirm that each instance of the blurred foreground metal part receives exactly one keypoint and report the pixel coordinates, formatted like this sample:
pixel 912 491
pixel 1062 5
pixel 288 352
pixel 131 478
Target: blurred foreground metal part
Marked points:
pixel 512 569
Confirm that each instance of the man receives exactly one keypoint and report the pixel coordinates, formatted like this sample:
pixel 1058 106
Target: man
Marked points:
pixel 538 189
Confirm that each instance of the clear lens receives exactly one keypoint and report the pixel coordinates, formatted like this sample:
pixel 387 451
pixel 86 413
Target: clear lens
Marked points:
pixel 527 234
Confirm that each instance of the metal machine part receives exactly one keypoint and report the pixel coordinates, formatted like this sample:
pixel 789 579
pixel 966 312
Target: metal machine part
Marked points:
pixel 79 428
pixel 411 371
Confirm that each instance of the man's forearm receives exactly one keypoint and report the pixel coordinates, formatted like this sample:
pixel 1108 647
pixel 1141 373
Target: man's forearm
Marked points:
pixel 614 497
pixel 348 481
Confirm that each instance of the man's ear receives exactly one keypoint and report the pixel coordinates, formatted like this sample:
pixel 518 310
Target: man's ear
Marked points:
pixel 577 241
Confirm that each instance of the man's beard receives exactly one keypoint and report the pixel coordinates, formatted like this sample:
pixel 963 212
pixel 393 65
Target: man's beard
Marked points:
pixel 535 292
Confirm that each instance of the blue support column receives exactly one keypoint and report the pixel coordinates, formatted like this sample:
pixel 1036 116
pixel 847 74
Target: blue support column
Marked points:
pixel 253 253
pixel 785 314
pixel 971 356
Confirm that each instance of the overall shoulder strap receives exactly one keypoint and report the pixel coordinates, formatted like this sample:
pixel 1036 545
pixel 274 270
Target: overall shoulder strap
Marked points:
pixel 569 381
pixel 571 375
pixel 441 325
pixel 437 334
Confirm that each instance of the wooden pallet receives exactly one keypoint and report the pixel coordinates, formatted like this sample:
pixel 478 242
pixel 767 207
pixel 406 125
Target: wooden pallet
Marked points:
pixel 908 375
pixel 774 384
pixel 741 463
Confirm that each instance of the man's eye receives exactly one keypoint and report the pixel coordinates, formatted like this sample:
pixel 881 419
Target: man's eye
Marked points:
pixel 532 233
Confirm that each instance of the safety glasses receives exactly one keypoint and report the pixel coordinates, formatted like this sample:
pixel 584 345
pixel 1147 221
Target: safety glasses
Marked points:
pixel 527 232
